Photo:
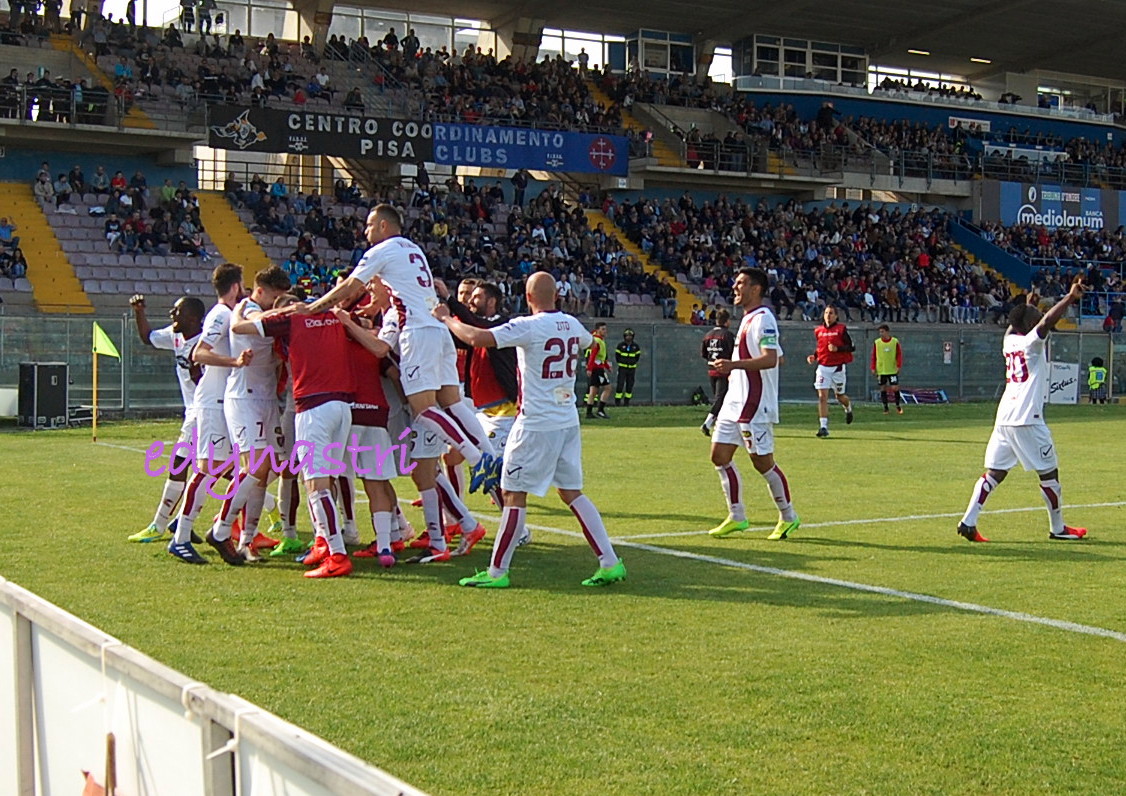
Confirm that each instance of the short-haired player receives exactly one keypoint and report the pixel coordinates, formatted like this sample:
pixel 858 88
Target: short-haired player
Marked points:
pixel 750 409
pixel 1020 431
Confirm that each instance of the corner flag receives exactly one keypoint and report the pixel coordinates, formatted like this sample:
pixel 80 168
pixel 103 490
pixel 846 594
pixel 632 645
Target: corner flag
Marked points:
pixel 102 343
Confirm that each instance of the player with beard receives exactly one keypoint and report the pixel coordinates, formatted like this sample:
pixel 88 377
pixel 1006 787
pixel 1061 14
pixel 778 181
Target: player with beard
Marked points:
pixel 750 409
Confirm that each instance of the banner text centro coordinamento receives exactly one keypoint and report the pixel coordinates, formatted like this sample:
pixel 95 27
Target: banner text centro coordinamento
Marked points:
pixel 307 132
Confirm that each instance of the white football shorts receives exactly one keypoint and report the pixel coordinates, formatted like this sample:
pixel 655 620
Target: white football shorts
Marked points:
pixel 427 360
pixel 757 438
pixel 214 440
pixel 1031 446
pixel 317 429
pixel 830 376
pixel 254 424
pixel 535 461
pixel 497 428
pixel 379 462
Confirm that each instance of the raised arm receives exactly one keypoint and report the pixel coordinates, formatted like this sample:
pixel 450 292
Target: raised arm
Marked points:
pixel 137 302
pixel 1056 313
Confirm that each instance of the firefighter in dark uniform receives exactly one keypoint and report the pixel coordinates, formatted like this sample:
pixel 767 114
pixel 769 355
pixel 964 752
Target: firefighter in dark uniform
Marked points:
pixel 626 355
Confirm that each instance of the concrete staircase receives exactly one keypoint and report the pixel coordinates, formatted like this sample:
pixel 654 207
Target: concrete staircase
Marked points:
pixel 135 118
pixel 684 297
pixel 665 155
pixel 55 285
pixel 230 235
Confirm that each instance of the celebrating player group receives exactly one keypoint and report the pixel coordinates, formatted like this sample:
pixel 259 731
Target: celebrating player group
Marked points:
pixel 391 369
pixel 371 364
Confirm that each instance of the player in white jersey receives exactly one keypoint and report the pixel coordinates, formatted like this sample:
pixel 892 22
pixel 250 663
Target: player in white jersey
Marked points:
pixel 250 405
pixel 750 409
pixel 427 363
pixel 1020 433
pixel 544 448
pixel 213 445
pixel 179 337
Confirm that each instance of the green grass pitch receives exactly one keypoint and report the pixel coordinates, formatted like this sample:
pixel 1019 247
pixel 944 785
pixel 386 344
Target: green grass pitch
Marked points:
pixel 692 677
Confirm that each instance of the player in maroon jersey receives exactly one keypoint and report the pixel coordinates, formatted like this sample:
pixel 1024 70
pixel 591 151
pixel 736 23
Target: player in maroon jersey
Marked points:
pixel 324 388
pixel 834 352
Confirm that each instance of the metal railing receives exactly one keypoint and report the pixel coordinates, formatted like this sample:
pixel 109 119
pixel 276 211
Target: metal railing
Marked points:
pixel 97 106
pixel 814 86
pixel 60 105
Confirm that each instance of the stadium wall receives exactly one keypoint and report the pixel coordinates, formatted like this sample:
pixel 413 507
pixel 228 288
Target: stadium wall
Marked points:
pixel 21 165
pixel 807 106
pixel 64 686
pixel 143 383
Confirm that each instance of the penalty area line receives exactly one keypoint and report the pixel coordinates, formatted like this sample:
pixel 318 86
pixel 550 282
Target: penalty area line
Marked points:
pixel 906 518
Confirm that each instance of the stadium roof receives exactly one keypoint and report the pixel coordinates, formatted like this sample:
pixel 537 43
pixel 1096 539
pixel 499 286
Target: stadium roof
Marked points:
pixel 1077 36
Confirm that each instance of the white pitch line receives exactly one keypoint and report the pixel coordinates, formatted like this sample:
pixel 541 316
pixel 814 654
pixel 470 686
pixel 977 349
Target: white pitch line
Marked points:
pixel 958 605
pixel 905 518
pixel 1019 616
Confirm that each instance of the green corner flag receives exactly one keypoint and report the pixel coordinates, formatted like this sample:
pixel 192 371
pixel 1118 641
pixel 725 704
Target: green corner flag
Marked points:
pixel 102 343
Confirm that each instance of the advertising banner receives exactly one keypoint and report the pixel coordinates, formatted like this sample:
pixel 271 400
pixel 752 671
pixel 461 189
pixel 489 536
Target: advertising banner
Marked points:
pixel 307 132
pixel 1063 383
pixel 1051 206
pixel 520 148
pixel 318 133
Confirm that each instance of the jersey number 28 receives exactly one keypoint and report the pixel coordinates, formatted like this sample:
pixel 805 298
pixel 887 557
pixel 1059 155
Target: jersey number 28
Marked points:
pixel 560 353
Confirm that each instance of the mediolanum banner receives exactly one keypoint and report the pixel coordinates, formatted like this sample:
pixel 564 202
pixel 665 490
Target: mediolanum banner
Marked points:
pixel 311 133
pixel 1051 206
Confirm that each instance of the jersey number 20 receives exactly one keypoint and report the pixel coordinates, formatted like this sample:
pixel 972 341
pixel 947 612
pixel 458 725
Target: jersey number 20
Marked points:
pixel 560 352
pixel 1016 367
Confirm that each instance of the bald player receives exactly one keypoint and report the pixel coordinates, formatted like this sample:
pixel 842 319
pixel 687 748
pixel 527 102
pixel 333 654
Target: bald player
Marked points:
pixel 544 448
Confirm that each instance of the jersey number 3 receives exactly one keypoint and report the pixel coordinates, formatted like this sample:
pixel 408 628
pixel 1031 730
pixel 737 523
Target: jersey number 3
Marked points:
pixel 558 351
pixel 426 280
pixel 1016 367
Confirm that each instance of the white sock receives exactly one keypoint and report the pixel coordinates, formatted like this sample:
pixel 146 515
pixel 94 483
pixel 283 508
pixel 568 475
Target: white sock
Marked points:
pixel 780 491
pixel 511 529
pixel 1053 499
pixel 232 507
pixel 403 526
pixel 169 498
pixel 254 505
pixel 709 421
pixel 824 422
pixel 471 427
pixel 431 512
pixel 269 504
pixel 594 531
pixel 456 474
pixel 288 500
pixel 323 510
pixel 444 425
pixel 381 523
pixel 982 490
pixel 194 496
pixel 732 484
pixel 452 504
